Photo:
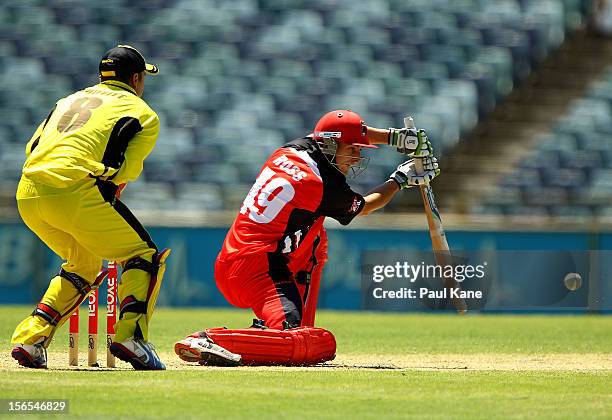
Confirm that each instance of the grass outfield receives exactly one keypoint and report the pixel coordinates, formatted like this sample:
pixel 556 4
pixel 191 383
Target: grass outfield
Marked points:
pixel 388 366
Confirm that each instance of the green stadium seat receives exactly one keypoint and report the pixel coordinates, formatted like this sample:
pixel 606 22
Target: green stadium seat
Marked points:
pixel 506 12
pixel 238 8
pixel 449 110
pixel 430 72
pixel 469 40
pixel 199 196
pixel 33 19
pixel 597 111
pixel 258 104
pixel 451 56
pixel 269 68
pixel 219 173
pixel 407 86
pixel 370 88
pixel 574 18
pixel 346 18
pixel 280 88
pixel 25 71
pixel 282 5
pixel 467 95
pixel 277 41
pixel 335 69
pixel 289 124
pixel 381 70
pixel 411 5
pixel 308 24
pixel 359 55
pixel 559 142
pixel 149 195
pixel 11 162
pixel 173 143
pixel 355 102
pixel 289 67
pixel 550 11
pixel 376 38
pixel 436 19
pixel 500 59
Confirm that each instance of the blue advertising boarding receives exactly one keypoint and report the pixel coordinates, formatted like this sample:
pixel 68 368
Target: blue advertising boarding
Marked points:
pixel 26 265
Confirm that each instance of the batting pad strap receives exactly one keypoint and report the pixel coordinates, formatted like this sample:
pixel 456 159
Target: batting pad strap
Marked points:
pixel 47 313
pixel 131 304
pixel 297 346
pixel 77 281
pixel 140 264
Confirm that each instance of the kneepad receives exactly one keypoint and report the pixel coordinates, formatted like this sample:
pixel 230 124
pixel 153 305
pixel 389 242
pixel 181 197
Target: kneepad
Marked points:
pixel 156 269
pixel 296 346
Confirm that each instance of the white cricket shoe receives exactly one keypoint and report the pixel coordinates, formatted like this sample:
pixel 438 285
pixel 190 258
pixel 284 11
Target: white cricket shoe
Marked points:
pixel 201 349
pixel 31 355
pixel 139 353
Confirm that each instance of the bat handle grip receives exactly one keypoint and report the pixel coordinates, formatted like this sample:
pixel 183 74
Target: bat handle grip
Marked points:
pixel 409 122
pixel 418 166
pixel 418 163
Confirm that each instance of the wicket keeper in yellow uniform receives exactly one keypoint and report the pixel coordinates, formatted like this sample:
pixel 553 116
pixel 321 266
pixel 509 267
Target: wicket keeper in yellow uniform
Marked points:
pixel 92 142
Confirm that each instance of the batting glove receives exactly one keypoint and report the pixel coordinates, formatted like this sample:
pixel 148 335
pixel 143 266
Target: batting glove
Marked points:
pixel 410 141
pixel 406 175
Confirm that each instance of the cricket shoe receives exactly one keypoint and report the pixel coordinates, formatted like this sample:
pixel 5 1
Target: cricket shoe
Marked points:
pixel 199 348
pixel 139 353
pixel 31 355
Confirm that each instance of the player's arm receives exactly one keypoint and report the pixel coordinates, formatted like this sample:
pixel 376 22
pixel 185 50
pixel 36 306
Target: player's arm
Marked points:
pixel 345 204
pixel 139 147
pixel 405 176
pixel 36 136
pixel 408 141
pixel 378 135
pixel 379 197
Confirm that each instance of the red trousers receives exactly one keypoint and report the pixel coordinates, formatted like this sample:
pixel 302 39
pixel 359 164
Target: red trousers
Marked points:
pixel 281 290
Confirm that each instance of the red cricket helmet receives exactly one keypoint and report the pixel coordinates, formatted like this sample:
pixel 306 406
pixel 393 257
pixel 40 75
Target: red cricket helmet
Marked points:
pixel 344 126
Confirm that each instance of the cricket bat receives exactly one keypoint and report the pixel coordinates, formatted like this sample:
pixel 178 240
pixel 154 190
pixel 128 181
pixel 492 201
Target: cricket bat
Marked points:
pixel 436 231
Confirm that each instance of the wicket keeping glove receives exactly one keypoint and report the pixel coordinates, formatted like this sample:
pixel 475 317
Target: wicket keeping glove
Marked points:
pixel 410 141
pixel 406 175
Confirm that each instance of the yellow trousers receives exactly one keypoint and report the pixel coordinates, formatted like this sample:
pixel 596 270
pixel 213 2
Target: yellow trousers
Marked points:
pixel 84 228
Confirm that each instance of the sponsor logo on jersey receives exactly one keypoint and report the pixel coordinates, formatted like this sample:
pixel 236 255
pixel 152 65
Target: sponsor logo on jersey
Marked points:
pixel 356 204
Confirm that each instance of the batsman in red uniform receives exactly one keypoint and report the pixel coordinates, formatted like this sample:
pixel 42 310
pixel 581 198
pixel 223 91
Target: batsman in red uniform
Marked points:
pixel 274 253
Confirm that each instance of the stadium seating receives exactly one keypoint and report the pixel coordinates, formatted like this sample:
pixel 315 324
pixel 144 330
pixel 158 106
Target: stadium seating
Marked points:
pixel 572 166
pixel 240 77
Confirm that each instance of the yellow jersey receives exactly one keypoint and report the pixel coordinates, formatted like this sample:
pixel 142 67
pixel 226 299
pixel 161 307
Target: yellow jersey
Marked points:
pixel 103 131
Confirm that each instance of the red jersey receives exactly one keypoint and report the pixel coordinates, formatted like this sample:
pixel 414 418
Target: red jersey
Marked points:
pixel 285 208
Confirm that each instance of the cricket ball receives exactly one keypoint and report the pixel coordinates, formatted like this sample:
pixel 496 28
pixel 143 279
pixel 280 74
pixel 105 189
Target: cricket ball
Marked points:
pixel 572 281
